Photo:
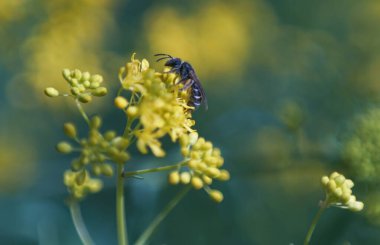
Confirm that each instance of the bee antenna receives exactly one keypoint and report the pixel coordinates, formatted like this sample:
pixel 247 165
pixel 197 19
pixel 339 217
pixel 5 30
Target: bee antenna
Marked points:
pixel 163 58
pixel 168 55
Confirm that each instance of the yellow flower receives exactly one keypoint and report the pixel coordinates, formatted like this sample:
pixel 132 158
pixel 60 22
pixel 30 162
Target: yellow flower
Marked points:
pixel 156 103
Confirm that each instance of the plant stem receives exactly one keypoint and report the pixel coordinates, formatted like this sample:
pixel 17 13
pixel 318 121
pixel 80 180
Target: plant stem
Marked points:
pixel 79 224
pixel 314 223
pixel 82 112
pixel 120 212
pixel 161 216
pixel 152 170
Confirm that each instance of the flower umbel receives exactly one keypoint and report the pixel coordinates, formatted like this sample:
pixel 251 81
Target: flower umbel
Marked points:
pixel 339 193
pixel 83 85
pixel 204 165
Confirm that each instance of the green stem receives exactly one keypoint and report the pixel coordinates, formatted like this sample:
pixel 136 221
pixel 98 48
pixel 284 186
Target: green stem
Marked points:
pixel 314 223
pixel 79 224
pixel 120 212
pixel 152 170
pixel 82 112
pixel 161 216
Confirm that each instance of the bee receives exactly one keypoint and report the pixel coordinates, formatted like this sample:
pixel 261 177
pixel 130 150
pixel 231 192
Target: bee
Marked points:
pixel 188 78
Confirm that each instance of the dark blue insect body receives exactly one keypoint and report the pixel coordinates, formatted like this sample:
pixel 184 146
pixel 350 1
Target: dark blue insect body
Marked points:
pixel 188 78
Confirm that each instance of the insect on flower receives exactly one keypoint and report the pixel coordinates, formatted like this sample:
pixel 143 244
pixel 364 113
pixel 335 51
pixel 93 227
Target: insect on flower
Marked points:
pixel 188 78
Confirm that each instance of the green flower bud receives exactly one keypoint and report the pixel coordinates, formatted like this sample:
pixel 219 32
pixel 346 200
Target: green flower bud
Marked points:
pixel 84 98
pixel 96 78
pixel 75 91
pixel 96 169
pixel 86 76
pixel 101 91
pixel 86 84
pixel 66 73
pixel 325 180
pixel 94 85
pixel 107 170
pixel 70 130
pixel 51 92
pixel 77 74
pixel 110 135
pixel 64 147
pixel 121 143
pixel 96 122
pixel 121 157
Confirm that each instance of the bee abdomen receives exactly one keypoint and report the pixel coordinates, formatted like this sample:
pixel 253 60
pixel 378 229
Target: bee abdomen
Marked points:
pixel 196 96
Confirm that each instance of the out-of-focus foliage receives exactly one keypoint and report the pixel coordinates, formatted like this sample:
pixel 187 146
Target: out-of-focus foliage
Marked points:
pixel 362 150
pixel 17 164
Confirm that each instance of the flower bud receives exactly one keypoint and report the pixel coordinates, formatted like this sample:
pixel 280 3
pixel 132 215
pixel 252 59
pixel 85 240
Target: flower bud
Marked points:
pixel 173 178
pixel 70 130
pixel 66 73
pixel 101 91
pixel 85 76
pixel 196 182
pixel 109 135
pixel 356 206
pixel 96 122
pixel 325 180
pixel 185 178
pixel 64 147
pixel 84 98
pixel 207 180
pixel 216 195
pixel 96 78
pixel 120 102
pixel 51 92
pixel 132 111
pixel 107 169
pixel 224 175
pixel 77 74
pixel 95 185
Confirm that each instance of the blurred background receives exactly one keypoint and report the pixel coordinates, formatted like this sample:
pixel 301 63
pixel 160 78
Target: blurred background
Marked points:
pixel 293 89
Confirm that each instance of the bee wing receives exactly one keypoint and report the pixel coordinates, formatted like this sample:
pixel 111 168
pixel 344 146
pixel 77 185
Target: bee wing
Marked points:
pixel 196 80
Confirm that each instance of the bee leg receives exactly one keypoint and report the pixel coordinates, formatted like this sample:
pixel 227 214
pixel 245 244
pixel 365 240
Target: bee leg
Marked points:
pixel 173 70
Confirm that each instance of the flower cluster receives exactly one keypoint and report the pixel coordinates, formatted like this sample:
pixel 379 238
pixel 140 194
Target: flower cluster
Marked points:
pixel 203 162
pixel 339 193
pixel 83 85
pixel 95 153
pixel 157 104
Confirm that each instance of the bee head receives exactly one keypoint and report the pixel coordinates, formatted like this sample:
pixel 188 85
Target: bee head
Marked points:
pixel 174 62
